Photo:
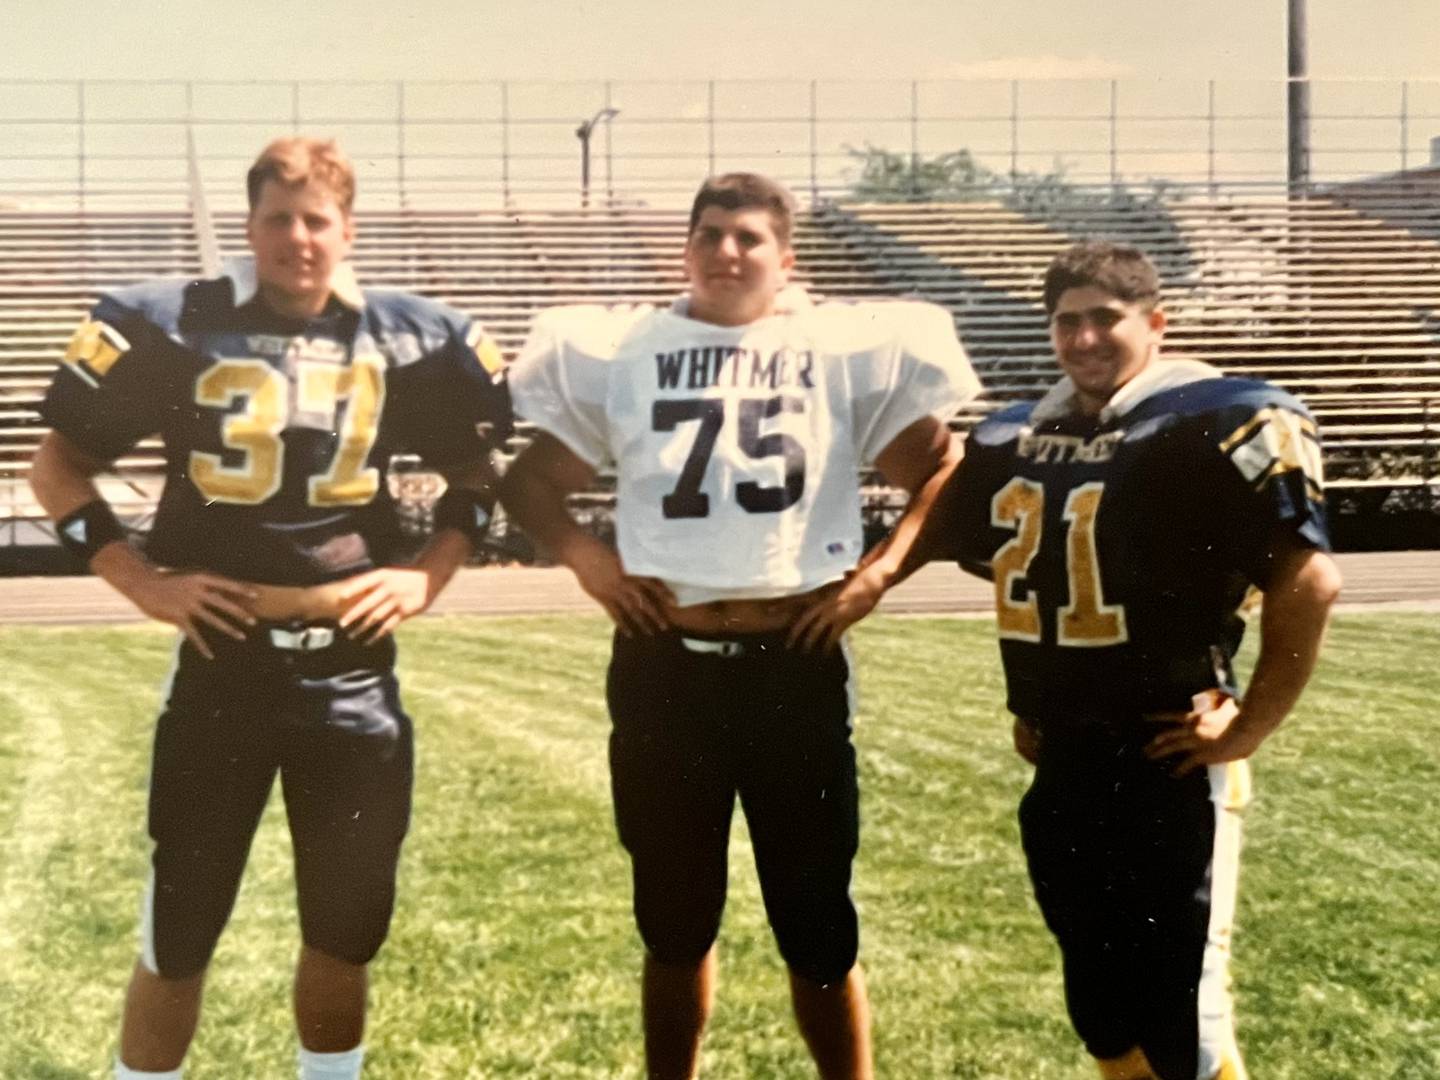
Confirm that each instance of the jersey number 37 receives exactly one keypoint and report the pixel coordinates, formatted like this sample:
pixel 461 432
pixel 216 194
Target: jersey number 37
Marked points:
pixel 255 429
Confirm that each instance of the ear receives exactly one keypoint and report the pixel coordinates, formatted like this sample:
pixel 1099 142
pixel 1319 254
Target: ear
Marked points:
pixel 1158 321
pixel 787 259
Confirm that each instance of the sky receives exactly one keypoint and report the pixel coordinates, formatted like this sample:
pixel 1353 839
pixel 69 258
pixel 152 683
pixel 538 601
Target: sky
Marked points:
pixel 677 39
pixel 556 57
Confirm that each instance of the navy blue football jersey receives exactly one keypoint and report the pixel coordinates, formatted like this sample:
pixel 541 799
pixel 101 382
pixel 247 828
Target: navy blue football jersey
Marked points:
pixel 1122 547
pixel 277 432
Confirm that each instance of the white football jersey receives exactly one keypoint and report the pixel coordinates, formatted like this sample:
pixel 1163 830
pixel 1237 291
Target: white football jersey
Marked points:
pixel 737 448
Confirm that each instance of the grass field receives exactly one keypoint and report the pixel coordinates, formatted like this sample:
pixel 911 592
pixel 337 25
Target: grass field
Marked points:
pixel 513 954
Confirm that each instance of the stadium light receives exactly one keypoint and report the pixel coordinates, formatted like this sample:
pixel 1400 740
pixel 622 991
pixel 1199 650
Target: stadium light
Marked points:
pixel 583 133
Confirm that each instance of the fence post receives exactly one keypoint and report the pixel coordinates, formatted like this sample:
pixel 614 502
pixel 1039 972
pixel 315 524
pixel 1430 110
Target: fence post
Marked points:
pixel 914 140
pixel 1210 148
pixel 1404 126
pixel 80 139
pixel 710 126
pixel 505 142
pixel 609 150
pixel 1114 140
pixel 814 146
pixel 400 142
pixel 1014 135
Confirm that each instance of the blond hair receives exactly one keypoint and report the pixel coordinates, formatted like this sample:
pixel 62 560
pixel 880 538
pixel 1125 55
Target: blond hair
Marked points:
pixel 295 161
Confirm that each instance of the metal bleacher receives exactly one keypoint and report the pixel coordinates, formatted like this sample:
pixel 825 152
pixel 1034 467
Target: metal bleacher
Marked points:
pixel 1336 305
pixel 1335 302
pixel 52 267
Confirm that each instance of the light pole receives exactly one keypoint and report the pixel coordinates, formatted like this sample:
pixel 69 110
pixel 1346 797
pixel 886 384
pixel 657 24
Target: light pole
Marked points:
pixel 1298 111
pixel 583 133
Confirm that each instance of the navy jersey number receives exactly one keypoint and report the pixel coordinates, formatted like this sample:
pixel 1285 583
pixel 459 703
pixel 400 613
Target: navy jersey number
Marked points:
pixel 687 500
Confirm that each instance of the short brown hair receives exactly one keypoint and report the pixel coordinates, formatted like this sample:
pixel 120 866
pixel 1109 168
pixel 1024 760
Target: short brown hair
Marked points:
pixel 747 191
pixel 295 160
pixel 1121 270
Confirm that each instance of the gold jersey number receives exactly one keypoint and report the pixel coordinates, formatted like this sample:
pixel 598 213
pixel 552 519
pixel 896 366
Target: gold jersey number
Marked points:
pixel 255 429
pixel 1086 621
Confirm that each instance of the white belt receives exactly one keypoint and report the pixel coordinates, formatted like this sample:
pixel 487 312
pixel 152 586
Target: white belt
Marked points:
pixel 727 649
pixel 306 639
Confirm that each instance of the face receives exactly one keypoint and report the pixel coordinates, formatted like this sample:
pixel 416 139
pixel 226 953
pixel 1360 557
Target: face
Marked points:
pixel 299 235
pixel 736 265
pixel 1102 342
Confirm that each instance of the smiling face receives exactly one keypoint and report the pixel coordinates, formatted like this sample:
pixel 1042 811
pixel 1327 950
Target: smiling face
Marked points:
pixel 300 236
pixel 736 264
pixel 1102 342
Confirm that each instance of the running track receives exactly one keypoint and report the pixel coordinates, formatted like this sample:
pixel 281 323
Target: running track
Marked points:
pixel 1398 580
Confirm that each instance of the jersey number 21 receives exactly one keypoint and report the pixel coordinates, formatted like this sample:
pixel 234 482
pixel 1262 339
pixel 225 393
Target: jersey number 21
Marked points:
pixel 1086 621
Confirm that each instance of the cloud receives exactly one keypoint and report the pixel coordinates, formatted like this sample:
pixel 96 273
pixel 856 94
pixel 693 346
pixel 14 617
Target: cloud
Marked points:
pixel 1036 67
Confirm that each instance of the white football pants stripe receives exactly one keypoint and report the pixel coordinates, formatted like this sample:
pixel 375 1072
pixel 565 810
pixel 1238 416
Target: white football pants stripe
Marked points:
pixel 147 900
pixel 147 926
pixel 852 687
pixel 1229 794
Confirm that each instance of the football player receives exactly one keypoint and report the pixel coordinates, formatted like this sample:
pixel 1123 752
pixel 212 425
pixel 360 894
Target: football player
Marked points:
pixel 280 391
pixel 1123 518
pixel 737 421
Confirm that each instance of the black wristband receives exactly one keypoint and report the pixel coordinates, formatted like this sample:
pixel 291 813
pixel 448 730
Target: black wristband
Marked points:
pixel 461 508
pixel 85 531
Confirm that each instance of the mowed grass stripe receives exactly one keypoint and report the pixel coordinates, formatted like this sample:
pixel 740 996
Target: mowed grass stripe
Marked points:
pixel 1338 952
pixel 76 731
pixel 513 953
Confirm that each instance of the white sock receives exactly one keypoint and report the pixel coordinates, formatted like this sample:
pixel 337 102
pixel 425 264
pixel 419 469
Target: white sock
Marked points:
pixel 124 1072
pixel 342 1066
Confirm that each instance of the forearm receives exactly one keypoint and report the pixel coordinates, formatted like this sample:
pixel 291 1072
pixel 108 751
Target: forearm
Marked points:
pixel 904 550
pixel 63 480
pixel 538 505
pixel 534 493
pixel 443 554
pixel 1293 619
pixel 462 519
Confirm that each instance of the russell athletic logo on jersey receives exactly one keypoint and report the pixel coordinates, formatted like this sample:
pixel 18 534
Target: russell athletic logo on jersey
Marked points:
pixel 700 367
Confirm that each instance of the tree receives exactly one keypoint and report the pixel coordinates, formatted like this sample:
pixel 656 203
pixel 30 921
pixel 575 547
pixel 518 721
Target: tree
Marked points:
pixel 886 176
pixel 890 177
pixel 957 176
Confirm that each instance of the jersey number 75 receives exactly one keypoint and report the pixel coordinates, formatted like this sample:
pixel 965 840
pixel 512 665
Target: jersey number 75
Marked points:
pixel 687 500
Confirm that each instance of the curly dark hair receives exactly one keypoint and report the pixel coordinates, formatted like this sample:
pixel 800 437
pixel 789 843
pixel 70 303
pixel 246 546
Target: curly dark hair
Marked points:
pixel 1121 270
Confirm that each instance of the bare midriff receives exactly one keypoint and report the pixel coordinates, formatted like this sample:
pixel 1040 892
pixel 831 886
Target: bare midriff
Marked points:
pixel 291 603
pixel 717 618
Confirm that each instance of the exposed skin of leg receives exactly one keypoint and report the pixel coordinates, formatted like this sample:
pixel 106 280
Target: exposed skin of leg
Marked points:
pixel 160 1019
pixel 676 1000
pixel 1135 1066
pixel 1131 1066
pixel 835 1021
pixel 329 1002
